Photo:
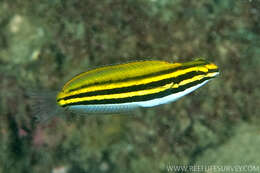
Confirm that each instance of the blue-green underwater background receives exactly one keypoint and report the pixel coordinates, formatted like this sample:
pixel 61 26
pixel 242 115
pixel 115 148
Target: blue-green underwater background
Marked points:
pixel 44 43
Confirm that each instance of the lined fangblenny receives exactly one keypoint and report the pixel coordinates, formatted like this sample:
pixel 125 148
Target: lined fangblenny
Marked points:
pixel 123 87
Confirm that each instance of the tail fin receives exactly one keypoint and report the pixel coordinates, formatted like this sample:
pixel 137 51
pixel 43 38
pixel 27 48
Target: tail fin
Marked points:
pixel 43 104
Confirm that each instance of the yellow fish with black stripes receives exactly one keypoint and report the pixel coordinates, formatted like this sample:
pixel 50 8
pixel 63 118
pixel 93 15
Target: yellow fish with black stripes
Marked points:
pixel 125 87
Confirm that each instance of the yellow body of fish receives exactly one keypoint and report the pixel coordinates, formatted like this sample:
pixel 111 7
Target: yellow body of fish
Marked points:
pixel 123 87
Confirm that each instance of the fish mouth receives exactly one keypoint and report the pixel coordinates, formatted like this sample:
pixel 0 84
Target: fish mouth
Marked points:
pixel 215 74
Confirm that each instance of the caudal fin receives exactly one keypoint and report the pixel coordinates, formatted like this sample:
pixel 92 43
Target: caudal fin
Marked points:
pixel 44 105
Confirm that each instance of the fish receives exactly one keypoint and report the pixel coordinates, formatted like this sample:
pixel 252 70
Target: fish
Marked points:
pixel 128 86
